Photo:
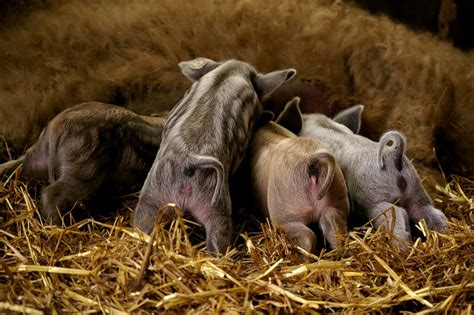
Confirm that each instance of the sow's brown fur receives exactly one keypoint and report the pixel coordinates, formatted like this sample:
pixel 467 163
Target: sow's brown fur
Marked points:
pixel 126 53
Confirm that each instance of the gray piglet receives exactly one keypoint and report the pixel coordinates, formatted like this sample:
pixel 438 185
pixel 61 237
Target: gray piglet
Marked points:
pixel 297 182
pixel 88 150
pixel 379 176
pixel 204 141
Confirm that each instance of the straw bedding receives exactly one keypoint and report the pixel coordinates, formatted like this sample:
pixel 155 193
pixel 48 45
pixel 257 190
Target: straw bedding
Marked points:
pixel 101 264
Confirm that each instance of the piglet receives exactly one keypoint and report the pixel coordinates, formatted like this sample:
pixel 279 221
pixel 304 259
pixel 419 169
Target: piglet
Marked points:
pixel 379 176
pixel 88 150
pixel 297 181
pixel 204 140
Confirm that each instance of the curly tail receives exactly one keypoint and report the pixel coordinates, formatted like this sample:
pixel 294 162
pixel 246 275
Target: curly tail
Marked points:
pixel 321 169
pixel 206 162
pixel 10 166
pixel 391 149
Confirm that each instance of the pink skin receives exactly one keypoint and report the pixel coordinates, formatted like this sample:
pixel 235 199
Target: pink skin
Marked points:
pixel 297 183
pixel 382 181
pixel 193 194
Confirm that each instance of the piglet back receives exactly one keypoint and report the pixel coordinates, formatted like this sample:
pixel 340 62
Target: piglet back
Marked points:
pixel 321 169
pixel 390 150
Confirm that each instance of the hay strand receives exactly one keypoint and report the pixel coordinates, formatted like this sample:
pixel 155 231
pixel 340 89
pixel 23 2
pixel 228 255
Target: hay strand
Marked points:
pixel 92 266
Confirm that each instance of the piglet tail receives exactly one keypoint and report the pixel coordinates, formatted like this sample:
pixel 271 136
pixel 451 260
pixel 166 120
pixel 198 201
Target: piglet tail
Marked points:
pixel 206 162
pixel 391 149
pixel 10 166
pixel 321 169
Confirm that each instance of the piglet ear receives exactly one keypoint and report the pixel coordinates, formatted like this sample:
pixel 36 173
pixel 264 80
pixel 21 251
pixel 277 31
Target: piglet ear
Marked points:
pixel 291 117
pixel 266 84
pixel 197 68
pixel 391 149
pixel 351 118
pixel 265 117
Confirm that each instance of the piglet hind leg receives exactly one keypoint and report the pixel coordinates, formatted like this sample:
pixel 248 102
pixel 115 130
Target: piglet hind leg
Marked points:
pixel 147 210
pixel 332 223
pixel 62 195
pixel 51 203
pixel 300 234
pixel 217 221
pixel 218 233
pixel 435 218
pixel 393 219
pixel 419 204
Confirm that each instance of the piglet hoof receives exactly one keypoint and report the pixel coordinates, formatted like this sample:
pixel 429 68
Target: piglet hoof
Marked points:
pixel 145 216
pixel 436 220
pixel 144 221
pixel 144 226
pixel 49 208
pixel 52 217
pixel 218 236
pixel 333 222
pixel 403 245
pixel 218 244
pixel 401 238
pixel 300 234
pixel 307 241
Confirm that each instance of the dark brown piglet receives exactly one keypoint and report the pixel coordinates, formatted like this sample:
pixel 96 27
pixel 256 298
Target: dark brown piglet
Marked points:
pixel 88 149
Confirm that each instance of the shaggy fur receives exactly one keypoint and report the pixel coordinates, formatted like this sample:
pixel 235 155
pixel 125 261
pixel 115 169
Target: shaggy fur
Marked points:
pixel 126 53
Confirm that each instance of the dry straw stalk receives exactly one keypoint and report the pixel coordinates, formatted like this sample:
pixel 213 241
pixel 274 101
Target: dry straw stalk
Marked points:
pixel 102 265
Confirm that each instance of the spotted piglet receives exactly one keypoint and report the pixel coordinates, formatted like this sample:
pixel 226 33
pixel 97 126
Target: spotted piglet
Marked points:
pixel 90 150
pixel 297 182
pixel 379 176
pixel 204 141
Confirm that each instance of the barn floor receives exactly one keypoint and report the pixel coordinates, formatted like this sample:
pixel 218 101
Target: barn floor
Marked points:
pixel 92 266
